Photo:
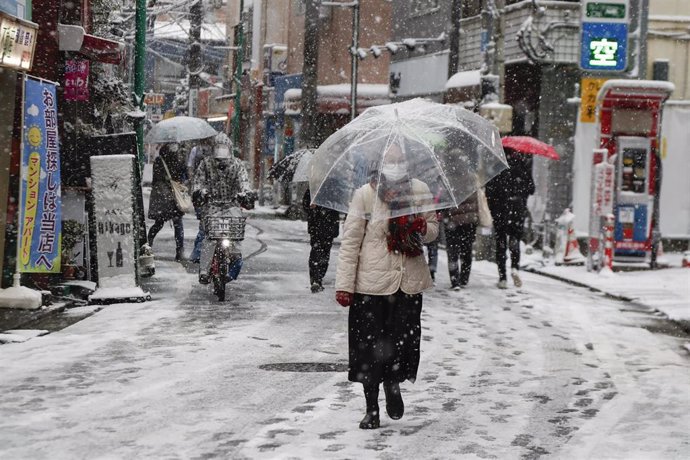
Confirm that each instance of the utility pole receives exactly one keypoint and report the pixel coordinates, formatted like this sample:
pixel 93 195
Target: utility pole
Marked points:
pixel 454 52
pixel 139 73
pixel 308 134
pixel 493 52
pixel 238 81
pixel 354 59
pixel 194 63
pixel 139 84
pixel 454 48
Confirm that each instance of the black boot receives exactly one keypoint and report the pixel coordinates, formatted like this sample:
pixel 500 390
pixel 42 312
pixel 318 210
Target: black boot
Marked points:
pixel 316 286
pixel 395 407
pixel 179 254
pixel 371 420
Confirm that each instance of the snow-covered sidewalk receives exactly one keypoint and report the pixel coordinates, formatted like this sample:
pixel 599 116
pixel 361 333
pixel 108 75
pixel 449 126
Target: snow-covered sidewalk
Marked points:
pixel 666 290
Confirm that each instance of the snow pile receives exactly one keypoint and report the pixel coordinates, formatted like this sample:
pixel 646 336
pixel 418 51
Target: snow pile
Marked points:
pixel 117 292
pixel 20 297
pixel 21 335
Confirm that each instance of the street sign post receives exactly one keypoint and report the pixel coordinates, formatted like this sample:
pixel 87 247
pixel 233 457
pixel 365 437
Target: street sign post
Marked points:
pixel 604 35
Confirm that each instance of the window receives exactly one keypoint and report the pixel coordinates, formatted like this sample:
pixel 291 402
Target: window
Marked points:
pixel 471 8
pixel 420 7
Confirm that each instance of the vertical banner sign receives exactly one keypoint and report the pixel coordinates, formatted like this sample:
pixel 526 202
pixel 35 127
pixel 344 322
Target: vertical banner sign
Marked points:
pixel 40 226
pixel 76 80
pixel 112 179
pixel 603 189
pixel 589 89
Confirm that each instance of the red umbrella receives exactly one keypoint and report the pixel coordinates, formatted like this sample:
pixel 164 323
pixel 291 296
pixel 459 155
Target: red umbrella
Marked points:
pixel 530 145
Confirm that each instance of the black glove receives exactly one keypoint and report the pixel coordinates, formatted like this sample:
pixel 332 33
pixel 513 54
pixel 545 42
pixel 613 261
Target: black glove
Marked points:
pixel 199 197
pixel 247 199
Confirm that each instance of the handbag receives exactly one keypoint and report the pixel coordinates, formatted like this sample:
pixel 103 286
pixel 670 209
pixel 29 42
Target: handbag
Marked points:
pixel 485 219
pixel 183 200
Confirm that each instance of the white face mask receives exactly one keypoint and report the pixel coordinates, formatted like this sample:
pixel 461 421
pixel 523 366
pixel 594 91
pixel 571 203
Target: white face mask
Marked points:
pixel 394 171
pixel 221 151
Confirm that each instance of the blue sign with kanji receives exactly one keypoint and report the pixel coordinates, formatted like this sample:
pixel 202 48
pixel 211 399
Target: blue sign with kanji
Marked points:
pixel 604 46
pixel 40 225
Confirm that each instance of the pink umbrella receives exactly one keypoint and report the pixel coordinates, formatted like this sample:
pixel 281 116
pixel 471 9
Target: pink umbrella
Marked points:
pixel 530 146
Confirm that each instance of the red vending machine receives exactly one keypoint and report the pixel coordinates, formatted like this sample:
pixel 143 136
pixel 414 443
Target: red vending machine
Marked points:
pixel 629 118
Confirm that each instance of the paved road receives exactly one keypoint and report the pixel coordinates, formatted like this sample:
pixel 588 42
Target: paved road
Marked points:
pixel 547 371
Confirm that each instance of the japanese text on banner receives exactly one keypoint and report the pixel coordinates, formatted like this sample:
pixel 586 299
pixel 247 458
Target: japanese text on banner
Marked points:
pixel 40 227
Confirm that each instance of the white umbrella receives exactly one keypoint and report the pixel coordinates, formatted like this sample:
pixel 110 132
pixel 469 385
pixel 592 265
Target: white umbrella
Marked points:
pixel 179 129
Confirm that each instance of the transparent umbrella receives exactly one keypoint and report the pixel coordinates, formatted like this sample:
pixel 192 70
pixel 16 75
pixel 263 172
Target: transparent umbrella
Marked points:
pixel 451 150
pixel 292 168
pixel 179 129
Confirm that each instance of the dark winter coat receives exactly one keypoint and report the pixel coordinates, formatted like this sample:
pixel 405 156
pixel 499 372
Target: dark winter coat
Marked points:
pixel 507 194
pixel 465 214
pixel 321 222
pixel 162 204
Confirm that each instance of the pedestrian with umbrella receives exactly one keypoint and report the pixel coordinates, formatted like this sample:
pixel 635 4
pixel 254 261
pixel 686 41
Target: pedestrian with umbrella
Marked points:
pixel 381 274
pixel 171 166
pixel 379 169
pixel 162 205
pixel 507 197
pixel 323 224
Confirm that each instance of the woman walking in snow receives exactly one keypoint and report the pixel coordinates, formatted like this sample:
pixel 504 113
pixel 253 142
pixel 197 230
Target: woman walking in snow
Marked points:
pixel 162 205
pixel 381 274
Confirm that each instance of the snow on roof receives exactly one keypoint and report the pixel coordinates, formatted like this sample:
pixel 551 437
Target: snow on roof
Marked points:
pixel 463 79
pixel 626 86
pixel 495 105
pixel 364 90
pixel 180 30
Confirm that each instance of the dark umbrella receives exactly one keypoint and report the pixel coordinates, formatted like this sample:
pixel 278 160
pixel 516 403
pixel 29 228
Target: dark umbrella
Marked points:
pixel 530 146
pixel 284 170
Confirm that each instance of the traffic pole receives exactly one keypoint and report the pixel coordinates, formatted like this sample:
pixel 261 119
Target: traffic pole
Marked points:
pixel 236 116
pixel 139 74
pixel 139 84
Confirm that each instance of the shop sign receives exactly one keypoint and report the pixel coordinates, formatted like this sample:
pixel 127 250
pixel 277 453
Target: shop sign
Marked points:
pixel 17 42
pixel 77 80
pixel 112 179
pixel 154 98
pixel 589 89
pixel 604 35
pixel 603 188
pixel 40 203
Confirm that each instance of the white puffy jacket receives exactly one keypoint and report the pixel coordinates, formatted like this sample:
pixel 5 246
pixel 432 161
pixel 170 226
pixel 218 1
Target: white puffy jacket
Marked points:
pixel 364 264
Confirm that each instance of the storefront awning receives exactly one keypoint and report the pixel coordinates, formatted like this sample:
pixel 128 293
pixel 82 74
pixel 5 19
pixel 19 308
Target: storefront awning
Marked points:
pixel 102 50
pixel 335 99
pixel 464 79
pixel 73 38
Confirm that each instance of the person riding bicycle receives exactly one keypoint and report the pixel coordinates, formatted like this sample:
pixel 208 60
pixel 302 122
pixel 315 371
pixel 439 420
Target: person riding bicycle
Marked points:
pixel 219 178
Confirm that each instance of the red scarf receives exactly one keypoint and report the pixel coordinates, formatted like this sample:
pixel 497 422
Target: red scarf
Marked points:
pixel 402 238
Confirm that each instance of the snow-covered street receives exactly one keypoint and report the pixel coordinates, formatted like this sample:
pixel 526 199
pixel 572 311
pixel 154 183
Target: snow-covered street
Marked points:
pixel 545 371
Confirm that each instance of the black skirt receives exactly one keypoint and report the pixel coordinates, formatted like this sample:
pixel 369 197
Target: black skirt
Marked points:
pixel 384 338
